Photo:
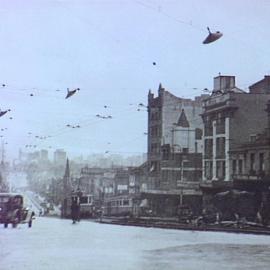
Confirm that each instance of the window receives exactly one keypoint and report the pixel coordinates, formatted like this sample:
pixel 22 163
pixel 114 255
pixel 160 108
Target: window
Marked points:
pixel 234 166
pixel 4 199
pixel 198 134
pixel 208 129
pixel 220 147
pixel 125 202
pixel 196 147
pixel 84 199
pixel 166 152
pixel 208 151
pixel 220 124
pixel 240 166
pixel 154 148
pixel 261 162
pixel 208 170
pixel 252 162
pixel 220 170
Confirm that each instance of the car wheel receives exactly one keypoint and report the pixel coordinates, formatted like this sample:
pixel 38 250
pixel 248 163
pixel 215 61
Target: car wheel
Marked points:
pixel 5 225
pixel 30 223
pixel 14 224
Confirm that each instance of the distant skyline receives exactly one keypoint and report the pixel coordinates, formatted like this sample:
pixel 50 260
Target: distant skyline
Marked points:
pixel 107 49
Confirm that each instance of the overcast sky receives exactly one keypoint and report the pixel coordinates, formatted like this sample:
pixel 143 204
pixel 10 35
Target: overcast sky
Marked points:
pixel 106 48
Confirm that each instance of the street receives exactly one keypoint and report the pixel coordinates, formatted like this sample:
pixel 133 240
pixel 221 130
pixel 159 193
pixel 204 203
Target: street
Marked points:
pixel 54 244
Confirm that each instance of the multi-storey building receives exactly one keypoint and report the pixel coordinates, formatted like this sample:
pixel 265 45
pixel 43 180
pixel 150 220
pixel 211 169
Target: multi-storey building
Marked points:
pixel 174 150
pixel 60 157
pixel 232 121
pixel 230 117
pixel 250 163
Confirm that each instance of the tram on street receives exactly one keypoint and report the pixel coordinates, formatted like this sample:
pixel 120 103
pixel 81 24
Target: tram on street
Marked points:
pixel 87 206
pixel 118 206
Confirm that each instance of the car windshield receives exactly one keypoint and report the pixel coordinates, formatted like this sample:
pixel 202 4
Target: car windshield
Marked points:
pixel 4 199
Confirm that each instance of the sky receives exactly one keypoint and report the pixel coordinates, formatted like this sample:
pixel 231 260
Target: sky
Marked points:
pixel 107 49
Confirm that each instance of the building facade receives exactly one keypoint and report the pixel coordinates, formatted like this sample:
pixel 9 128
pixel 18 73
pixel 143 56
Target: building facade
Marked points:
pixel 174 151
pixel 60 157
pixel 236 146
pixel 251 170
pixel 230 118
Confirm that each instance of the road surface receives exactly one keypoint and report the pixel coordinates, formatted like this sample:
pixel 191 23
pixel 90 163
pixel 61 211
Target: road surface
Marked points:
pixel 55 244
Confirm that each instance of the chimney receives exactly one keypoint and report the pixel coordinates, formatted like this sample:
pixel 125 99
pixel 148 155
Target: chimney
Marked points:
pixel 224 83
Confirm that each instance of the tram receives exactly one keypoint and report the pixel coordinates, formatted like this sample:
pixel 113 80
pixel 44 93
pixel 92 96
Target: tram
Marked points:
pixel 118 206
pixel 87 206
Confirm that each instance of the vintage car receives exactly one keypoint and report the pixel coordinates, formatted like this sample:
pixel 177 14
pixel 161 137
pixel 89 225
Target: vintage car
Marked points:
pixel 14 210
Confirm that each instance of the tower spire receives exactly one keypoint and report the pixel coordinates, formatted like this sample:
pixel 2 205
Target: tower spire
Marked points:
pixel 67 170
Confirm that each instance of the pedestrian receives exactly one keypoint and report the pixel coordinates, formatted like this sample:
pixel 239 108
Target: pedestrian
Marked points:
pixel 75 209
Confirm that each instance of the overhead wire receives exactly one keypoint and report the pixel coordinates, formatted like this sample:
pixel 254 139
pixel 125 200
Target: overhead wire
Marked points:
pixel 83 124
pixel 160 11
pixel 149 7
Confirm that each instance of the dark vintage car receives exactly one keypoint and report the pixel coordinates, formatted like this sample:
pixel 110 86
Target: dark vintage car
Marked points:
pixel 13 210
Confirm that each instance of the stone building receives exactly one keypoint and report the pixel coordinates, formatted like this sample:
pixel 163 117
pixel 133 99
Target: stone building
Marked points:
pixel 174 151
pixel 250 164
pixel 230 117
pixel 232 146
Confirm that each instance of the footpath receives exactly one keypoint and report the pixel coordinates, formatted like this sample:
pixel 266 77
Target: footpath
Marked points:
pixel 172 223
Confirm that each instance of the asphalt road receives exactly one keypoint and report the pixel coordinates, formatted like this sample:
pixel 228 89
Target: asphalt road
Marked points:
pixel 55 244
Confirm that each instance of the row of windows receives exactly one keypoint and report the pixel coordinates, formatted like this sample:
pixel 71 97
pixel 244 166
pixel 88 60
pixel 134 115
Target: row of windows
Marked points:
pixel 184 175
pixel 237 165
pixel 120 202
